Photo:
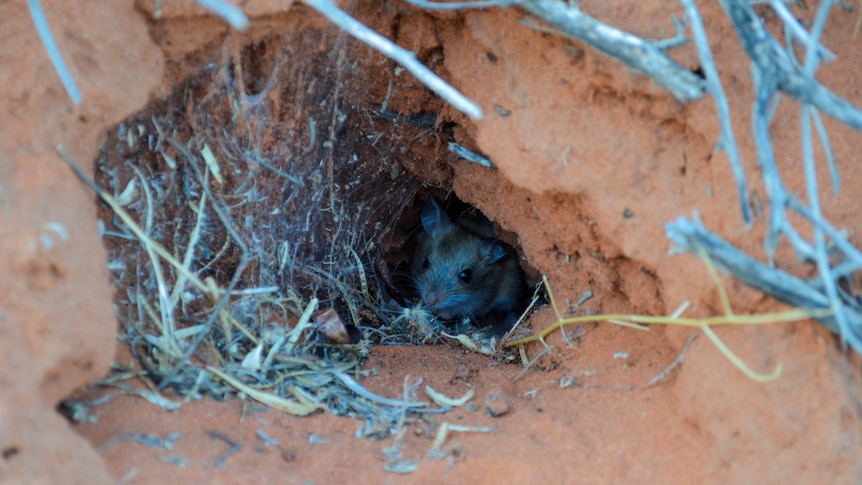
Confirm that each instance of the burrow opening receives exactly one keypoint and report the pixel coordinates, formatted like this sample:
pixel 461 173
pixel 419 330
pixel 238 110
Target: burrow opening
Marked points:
pixel 287 169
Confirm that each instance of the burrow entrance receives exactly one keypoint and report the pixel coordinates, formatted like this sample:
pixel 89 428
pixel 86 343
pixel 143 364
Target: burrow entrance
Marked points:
pixel 283 179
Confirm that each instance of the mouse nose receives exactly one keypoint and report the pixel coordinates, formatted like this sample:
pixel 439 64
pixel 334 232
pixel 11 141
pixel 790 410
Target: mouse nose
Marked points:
pixel 433 298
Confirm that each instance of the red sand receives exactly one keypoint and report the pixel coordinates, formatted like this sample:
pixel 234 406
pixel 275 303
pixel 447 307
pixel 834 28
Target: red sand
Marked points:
pixel 586 140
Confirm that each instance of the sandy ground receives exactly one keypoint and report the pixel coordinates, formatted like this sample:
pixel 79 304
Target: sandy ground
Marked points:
pixel 593 161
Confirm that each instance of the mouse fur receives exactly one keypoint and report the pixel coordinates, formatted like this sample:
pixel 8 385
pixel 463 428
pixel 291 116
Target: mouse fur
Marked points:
pixel 461 269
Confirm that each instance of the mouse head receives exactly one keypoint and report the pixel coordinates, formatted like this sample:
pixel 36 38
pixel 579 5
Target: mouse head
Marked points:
pixel 454 269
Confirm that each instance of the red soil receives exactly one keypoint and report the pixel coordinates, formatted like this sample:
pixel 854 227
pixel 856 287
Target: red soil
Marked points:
pixel 585 140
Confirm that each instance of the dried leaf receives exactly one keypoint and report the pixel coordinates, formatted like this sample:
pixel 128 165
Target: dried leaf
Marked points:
pixel 270 400
pixel 212 163
pixel 329 323
pixel 129 193
pixel 252 360
pixel 445 401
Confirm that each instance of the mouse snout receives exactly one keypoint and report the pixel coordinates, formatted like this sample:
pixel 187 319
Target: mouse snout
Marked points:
pixel 440 304
pixel 434 298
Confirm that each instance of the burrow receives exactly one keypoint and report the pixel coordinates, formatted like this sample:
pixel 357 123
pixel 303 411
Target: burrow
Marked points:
pixel 291 162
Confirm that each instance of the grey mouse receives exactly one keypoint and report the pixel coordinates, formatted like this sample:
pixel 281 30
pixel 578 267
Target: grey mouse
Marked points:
pixel 462 270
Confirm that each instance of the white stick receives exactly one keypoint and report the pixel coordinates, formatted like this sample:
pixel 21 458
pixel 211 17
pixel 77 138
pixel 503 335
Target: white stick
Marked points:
pixel 397 54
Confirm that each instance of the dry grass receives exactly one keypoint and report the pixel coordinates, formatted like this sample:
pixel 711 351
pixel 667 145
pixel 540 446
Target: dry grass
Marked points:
pixel 240 208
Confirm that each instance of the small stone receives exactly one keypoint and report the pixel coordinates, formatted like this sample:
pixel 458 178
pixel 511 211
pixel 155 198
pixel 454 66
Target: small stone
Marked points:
pixel 496 406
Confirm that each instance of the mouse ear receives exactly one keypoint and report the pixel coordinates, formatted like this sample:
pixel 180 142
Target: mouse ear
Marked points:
pixel 493 251
pixel 435 220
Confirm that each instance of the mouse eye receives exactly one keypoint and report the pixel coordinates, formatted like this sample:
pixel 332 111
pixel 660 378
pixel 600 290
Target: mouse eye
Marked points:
pixel 466 275
pixel 426 264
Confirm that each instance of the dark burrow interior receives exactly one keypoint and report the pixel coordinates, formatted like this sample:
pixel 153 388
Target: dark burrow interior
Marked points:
pixel 281 182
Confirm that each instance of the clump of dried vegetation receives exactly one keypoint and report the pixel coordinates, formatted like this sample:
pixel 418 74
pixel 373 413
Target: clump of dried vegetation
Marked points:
pixel 253 226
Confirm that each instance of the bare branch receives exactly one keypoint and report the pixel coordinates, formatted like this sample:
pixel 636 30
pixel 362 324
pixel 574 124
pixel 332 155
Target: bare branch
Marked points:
pixel 644 56
pixel 47 38
pixel 640 55
pixel 796 30
pixel 429 5
pixel 776 65
pixel 227 11
pixel 713 85
pixel 396 53
pixel 688 235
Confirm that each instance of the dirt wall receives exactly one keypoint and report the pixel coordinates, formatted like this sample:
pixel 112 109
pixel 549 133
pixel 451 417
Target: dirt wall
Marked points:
pixel 593 160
